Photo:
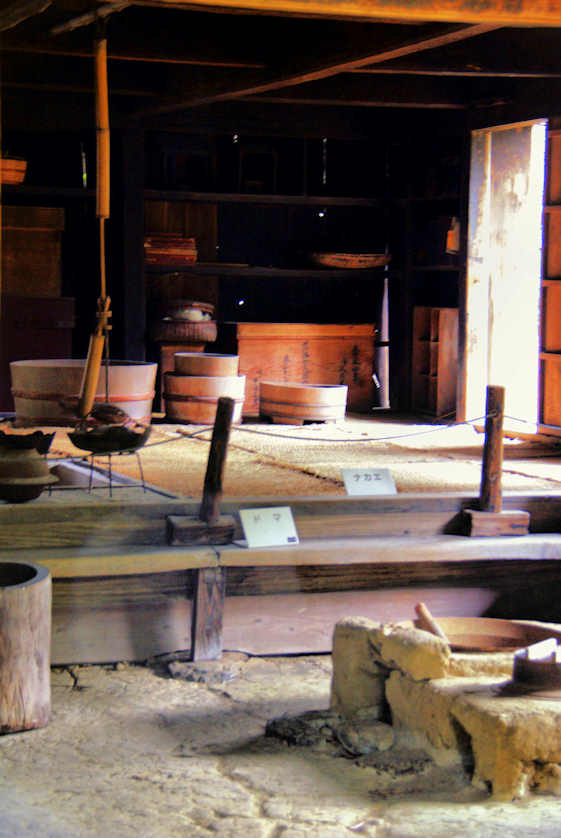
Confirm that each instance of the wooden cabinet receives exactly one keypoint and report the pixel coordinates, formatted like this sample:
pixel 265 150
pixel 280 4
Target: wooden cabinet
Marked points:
pixel 434 360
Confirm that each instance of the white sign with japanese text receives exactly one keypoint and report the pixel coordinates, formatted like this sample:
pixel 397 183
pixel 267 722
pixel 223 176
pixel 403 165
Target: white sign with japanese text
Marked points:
pixel 270 526
pixel 368 481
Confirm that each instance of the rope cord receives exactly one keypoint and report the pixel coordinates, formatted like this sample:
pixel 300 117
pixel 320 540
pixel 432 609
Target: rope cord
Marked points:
pixel 207 428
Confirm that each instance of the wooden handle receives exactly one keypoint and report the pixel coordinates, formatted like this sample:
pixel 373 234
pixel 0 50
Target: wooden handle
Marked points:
pixel 91 374
pixel 427 622
pixel 102 128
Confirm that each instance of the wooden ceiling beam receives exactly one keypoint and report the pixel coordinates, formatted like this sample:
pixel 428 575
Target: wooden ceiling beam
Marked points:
pixel 494 12
pixel 138 57
pixel 90 17
pixel 317 73
pixel 476 74
pixel 354 103
pixel 49 87
pixel 19 11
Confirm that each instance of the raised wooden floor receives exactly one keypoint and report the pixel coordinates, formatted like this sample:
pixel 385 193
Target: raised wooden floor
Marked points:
pixel 120 592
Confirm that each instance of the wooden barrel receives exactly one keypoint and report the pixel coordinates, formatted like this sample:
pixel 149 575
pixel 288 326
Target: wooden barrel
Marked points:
pixel 194 398
pixel 207 363
pixel 297 403
pixel 25 646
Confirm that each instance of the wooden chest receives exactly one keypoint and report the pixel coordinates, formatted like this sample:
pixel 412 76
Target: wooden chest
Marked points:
pixel 306 353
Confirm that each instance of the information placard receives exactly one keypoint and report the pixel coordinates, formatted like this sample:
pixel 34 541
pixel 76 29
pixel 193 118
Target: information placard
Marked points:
pixel 369 481
pixel 270 526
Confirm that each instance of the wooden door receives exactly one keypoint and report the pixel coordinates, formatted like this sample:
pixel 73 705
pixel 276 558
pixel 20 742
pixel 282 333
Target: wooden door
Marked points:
pixel 504 270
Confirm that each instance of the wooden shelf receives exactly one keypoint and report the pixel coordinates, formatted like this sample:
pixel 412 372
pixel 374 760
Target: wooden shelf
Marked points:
pixel 423 199
pixel 419 268
pixel 30 191
pixel 434 360
pixel 250 198
pixel 216 269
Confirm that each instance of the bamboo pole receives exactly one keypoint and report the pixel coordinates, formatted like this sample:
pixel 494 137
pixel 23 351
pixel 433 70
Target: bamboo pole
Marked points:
pixel 102 129
pixel 98 339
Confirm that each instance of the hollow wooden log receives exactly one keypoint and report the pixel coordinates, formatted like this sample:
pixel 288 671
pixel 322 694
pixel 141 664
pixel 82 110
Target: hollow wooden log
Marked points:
pixel 25 646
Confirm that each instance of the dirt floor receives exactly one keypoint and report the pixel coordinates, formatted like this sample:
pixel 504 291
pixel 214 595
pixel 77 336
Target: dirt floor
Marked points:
pixel 269 460
pixel 172 749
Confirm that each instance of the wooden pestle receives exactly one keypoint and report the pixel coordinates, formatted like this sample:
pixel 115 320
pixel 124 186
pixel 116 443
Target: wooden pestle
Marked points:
pixel 427 622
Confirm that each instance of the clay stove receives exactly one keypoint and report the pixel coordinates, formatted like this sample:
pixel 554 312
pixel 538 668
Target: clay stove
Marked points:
pixel 460 707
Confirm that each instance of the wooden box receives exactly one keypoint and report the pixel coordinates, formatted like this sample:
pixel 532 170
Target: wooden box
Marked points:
pixel 305 353
pixel 31 251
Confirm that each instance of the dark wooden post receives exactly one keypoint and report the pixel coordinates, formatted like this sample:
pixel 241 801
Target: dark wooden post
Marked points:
pixel 212 490
pixel 490 495
pixel 210 527
pixel 489 518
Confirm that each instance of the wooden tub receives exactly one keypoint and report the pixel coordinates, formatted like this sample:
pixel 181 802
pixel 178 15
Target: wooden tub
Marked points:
pixel 46 392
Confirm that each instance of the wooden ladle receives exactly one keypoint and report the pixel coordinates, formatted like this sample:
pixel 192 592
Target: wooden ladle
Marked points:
pixel 427 622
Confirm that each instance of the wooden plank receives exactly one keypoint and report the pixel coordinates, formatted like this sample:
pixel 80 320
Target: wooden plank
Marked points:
pixel 501 522
pixel 208 611
pixel 118 619
pixel 499 12
pixel 20 10
pixel 304 623
pixel 69 563
pixel 48 523
pixel 552 261
pixel 119 527
pixel 394 551
pixel 165 195
pixel 183 530
pixel 493 572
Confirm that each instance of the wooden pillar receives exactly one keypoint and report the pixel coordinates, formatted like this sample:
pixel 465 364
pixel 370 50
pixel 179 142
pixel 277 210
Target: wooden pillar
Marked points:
pixel 490 495
pixel 489 518
pixel 210 582
pixel 208 610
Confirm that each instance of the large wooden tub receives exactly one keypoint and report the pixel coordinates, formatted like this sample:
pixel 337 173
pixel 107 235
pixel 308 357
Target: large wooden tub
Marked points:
pixel 46 391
